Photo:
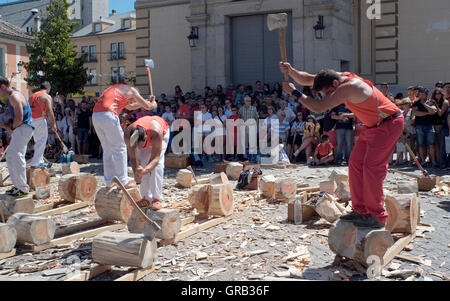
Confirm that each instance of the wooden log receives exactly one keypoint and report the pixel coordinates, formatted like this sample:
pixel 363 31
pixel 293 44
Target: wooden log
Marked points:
pixel 51 171
pixel 176 161
pixel 123 249
pixel 43 192
pixel 37 177
pixel 184 178
pixel 328 187
pixel 8 238
pixel 221 167
pixel 343 191
pixel 81 159
pixel 285 189
pixel 70 168
pixel 407 187
pixel 168 219
pixel 307 212
pixel 327 209
pixel 220 199
pixel 33 229
pixel 198 198
pixel 113 205
pixel 338 176
pixel 81 186
pixel 403 210
pixel 428 183
pixel 234 170
pixel 267 186
pixel 219 178
pixel 66 187
pixel 346 240
pixel 11 205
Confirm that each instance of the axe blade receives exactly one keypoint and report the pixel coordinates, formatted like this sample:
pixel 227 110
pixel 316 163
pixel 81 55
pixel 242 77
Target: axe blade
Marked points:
pixel 149 63
pixel 277 21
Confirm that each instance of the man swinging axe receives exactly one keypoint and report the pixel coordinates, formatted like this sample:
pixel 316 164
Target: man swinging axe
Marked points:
pixel 150 135
pixel 369 161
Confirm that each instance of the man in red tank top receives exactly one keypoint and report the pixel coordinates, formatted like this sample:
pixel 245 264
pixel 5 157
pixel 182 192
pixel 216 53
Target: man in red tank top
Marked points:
pixel 150 136
pixel 41 106
pixel 369 160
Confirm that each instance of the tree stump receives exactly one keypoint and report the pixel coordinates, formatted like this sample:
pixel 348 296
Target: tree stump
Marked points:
pixel 343 191
pixel 113 205
pixel 123 249
pixel 81 159
pixel 12 205
pixel 219 178
pixel 198 198
pixel 37 177
pixel 70 168
pixel 221 167
pixel 80 186
pixel 285 189
pixel 403 210
pixel 33 229
pixel 328 187
pixel 8 238
pixel 176 161
pixel 220 199
pixel 327 209
pixel 184 178
pixel 358 244
pixel 428 183
pixel 407 187
pixel 234 170
pixel 168 219
pixel 267 186
pixel 338 177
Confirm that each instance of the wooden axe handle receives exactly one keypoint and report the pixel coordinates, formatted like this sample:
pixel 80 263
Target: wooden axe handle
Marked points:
pixel 425 173
pixel 133 203
pixel 60 141
pixel 282 42
pixel 405 173
pixel 150 86
pixel 4 153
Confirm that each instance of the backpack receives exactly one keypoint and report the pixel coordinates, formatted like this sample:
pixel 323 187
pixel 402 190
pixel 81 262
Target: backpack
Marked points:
pixel 247 176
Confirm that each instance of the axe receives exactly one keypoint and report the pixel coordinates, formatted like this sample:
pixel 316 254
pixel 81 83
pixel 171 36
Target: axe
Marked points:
pixel 424 172
pixel 152 227
pixel 279 21
pixel 149 65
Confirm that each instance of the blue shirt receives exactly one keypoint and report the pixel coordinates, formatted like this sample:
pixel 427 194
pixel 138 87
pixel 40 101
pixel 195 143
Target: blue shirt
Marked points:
pixel 26 111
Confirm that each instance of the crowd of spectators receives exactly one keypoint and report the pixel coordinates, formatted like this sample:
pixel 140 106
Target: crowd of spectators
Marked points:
pixel 316 139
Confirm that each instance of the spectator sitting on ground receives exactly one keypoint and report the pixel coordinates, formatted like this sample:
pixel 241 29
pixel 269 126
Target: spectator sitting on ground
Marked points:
pixel 323 154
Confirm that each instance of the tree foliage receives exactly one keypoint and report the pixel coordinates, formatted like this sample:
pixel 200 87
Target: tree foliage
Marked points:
pixel 54 54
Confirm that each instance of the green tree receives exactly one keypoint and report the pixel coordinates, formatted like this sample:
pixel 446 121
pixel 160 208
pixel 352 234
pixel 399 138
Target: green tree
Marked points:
pixel 52 55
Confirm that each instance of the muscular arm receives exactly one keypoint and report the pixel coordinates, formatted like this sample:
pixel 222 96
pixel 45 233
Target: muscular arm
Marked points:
pixel 45 98
pixel 149 105
pixel 156 136
pixel 133 106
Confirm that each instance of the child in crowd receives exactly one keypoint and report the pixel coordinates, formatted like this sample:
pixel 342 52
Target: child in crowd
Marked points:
pixel 323 153
pixel 169 118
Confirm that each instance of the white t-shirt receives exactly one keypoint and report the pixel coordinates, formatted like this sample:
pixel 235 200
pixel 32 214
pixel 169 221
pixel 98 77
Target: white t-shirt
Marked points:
pixel 168 117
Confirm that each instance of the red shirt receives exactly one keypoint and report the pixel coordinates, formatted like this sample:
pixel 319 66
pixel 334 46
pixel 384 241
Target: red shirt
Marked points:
pixel 184 110
pixel 324 150
pixel 38 108
pixel 108 97
pixel 146 124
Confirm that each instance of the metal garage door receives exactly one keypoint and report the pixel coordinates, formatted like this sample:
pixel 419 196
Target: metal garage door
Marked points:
pixel 255 51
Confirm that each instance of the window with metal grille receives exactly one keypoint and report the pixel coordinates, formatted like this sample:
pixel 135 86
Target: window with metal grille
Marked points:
pixel 92 53
pixel 121 50
pixel 113 51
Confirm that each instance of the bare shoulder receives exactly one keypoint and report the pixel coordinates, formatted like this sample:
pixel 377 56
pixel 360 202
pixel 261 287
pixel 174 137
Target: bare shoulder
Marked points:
pixel 356 90
pixel 126 90
pixel 17 98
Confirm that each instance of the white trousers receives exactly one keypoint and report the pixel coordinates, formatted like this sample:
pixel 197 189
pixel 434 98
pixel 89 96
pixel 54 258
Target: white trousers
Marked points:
pixel 40 140
pixel 110 134
pixel 151 185
pixel 15 157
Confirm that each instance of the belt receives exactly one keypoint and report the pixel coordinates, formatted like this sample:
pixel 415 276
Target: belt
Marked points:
pixel 395 115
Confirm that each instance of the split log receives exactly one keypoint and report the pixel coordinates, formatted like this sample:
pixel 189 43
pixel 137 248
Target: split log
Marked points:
pixel 80 186
pixel 33 229
pixel 221 167
pixel 338 177
pixel 428 183
pixel 81 159
pixel 327 209
pixel 70 168
pixel 8 238
pixel 176 161
pixel 198 198
pixel 219 178
pixel 11 205
pixel 37 177
pixel 184 178
pixel 43 192
pixel 328 187
pixel 343 191
pixel 267 186
pixel 407 187
pixel 403 210
pixel 113 205
pixel 285 189
pixel 123 249
pixel 234 170
pixel 168 219
pixel 346 240
pixel 220 199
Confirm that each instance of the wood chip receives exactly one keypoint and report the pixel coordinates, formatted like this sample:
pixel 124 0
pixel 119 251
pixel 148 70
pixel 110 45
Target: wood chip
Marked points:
pixel 272 228
pixel 256 252
pixel 256 276
pixel 200 255
pixel 285 274
pixel 394 266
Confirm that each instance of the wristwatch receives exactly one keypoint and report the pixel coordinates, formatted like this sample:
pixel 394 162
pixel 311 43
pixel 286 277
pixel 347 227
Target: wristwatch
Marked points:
pixel 297 93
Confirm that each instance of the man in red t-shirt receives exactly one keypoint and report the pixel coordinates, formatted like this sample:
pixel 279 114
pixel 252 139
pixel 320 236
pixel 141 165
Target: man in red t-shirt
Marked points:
pixel 324 152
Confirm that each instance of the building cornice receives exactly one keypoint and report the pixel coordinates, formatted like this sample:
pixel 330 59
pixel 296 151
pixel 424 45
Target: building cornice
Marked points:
pixel 158 3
